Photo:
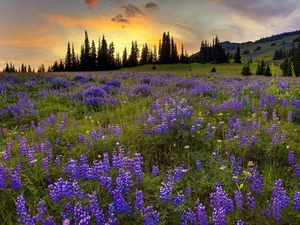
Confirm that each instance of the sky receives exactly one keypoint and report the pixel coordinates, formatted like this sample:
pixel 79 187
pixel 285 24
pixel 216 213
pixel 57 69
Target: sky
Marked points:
pixel 37 31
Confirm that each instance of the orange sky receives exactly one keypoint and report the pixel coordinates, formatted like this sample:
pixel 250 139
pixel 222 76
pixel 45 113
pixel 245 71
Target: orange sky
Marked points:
pixel 37 31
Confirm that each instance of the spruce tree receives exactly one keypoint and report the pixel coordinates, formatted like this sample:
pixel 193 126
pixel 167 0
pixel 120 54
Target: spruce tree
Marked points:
pixel 68 58
pixel 268 71
pixel 237 58
pixel 246 71
pixel 93 57
pixel 124 58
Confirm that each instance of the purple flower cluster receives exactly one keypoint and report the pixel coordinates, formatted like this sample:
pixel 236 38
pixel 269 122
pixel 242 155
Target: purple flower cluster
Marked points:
pixel 280 200
pixel 255 180
pixel 64 189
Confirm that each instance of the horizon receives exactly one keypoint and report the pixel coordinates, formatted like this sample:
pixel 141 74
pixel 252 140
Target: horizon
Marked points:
pixel 38 32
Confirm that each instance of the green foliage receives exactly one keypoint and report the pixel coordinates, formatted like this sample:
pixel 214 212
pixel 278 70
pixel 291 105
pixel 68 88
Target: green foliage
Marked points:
pixel 246 71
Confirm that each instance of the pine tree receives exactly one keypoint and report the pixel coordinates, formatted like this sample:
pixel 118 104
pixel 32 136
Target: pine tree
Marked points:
pixel 154 54
pixel 111 57
pixel 73 60
pixel 29 69
pixel 61 66
pixel 237 58
pixel 87 53
pixel 246 71
pixel 124 58
pixel 103 57
pixel 93 57
pixel 268 71
pixel 68 58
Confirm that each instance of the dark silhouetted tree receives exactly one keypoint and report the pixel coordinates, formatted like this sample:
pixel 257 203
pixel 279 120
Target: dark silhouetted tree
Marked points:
pixel 237 58
pixel 124 58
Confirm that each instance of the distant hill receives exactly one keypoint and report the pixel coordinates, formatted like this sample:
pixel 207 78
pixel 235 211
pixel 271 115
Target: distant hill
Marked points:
pixel 264 48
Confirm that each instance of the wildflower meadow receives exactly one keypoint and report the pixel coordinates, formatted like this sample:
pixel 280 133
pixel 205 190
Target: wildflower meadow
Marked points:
pixel 140 148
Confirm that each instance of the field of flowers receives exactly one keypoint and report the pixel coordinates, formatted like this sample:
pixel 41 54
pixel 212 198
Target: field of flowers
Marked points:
pixel 133 148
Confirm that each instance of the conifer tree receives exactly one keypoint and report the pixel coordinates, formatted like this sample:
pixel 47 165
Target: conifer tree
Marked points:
pixel 111 57
pixel 68 58
pixel 268 71
pixel 124 58
pixel 103 57
pixel 237 58
pixel 93 57
pixel 246 71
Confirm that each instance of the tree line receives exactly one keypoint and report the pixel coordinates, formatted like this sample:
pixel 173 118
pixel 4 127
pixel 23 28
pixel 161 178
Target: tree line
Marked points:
pixel 104 58
pixel 291 63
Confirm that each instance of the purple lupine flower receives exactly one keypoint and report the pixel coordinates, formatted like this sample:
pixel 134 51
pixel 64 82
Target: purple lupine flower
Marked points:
pixel 94 134
pixel 255 180
pixel 106 163
pixel 57 161
pixel 80 138
pixel 179 199
pixel 181 125
pixel 291 158
pixel 49 221
pixel 166 191
pixel 3 176
pixel 57 142
pixel 238 198
pixel 297 170
pixel 95 210
pixel 266 115
pixel 138 163
pixel 41 209
pixel 88 143
pixel 219 199
pixel 120 203
pixel 15 182
pixel 250 201
pixel 296 203
pixel 124 181
pixel 139 200
pixel 280 200
pixel 151 216
pixel 198 164
pixel 50 155
pixel 188 216
pixel 69 146
pixel 61 189
pixel 112 210
pixel 178 171
pixel 116 130
pixel 80 215
pixel 290 116
pixel 254 140
pixel 68 213
pixel 22 212
pixel 7 153
pixel 30 156
pixel 219 216
pixel 155 171
pixel 45 163
pixel 240 222
pixel 23 146
pixel 201 213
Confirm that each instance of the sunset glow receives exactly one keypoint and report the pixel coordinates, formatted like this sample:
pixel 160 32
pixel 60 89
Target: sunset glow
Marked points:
pixel 37 31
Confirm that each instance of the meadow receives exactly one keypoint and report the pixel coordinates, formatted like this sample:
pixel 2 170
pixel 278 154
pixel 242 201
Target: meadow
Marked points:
pixel 175 145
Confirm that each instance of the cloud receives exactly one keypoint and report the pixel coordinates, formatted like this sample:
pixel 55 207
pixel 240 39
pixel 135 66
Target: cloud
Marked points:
pixel 118 2
pixel 151 6
pixel 91 3
pixel 119 18
pixel 260 10
pixel 132 10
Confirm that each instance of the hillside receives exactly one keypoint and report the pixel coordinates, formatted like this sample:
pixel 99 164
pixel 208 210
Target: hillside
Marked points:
pixel 282 41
